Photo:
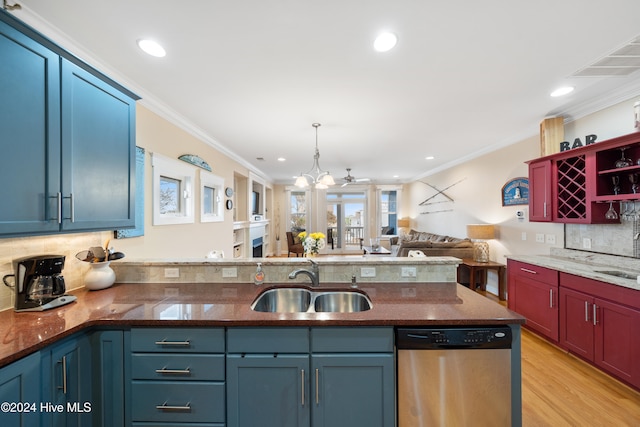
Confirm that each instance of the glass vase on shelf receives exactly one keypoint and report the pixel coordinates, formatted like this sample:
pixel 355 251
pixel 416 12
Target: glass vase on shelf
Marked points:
pixel 623 162
pixel 615 179
pixel 633 179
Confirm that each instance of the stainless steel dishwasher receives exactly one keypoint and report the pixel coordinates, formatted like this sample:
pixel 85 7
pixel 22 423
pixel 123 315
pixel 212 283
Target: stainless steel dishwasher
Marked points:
pixel 454 376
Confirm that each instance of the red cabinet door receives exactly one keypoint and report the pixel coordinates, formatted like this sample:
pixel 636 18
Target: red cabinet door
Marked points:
pixel 617 340
pixel 538 302
pixel 576 323
pixel 540 191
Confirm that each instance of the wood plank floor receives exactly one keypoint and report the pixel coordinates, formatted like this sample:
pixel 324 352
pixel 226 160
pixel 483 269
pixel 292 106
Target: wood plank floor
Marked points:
pixel 558 389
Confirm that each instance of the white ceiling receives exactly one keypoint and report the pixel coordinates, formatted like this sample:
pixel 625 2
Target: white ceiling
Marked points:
pixel 251 76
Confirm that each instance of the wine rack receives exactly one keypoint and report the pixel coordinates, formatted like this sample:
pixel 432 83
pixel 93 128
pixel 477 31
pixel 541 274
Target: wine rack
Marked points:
pixel 572 191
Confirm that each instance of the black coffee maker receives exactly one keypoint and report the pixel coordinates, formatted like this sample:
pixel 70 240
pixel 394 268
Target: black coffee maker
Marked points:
pixel 39 284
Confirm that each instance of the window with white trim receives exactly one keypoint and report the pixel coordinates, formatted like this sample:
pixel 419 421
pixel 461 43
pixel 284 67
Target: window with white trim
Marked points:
pixel 211 197
pixel 173 182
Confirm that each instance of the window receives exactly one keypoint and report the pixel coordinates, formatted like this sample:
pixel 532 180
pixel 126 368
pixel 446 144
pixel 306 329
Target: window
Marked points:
pixel 211 197
pixel 388 212
pixel 172 191
pixel 297 211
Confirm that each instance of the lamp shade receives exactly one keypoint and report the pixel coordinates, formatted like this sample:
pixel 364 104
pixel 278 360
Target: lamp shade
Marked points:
pixel 481 231
pixel 404 223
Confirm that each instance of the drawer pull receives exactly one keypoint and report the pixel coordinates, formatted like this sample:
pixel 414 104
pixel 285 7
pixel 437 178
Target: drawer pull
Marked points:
pixel 165 407
pixel 526 270
pixel 174 371
pixel 174 343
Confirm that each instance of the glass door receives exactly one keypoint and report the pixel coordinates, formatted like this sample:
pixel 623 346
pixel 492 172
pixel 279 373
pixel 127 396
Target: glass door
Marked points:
pixel 346 220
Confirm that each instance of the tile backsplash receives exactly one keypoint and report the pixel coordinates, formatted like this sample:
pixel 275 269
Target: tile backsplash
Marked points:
pixel 612 239
pixel 63 244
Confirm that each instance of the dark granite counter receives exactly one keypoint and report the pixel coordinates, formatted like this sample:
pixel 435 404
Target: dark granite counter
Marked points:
pixel 205 304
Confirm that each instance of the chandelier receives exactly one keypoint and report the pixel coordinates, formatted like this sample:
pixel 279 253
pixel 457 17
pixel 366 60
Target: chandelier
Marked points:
pixel 321 179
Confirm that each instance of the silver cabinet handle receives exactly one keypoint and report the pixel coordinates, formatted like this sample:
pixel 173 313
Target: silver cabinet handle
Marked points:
pixel 317 387
pixel 174 343
pixel 59 197
pixel 165 407
pixel 586 311
pixel 526 270
pixel 302 385
pixel 595 315
pixel 63 361
pixel 545 209
pixel 186 371
pixel 72 208
pixel 550 298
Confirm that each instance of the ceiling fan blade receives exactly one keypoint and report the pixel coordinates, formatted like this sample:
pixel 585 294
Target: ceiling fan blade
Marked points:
pixel 363 179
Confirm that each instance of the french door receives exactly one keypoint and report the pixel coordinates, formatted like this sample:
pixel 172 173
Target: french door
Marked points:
pixel 346 220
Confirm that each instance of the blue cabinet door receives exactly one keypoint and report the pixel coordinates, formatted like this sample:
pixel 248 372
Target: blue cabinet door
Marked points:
pixel 98 153
pixel 268 390
pixel 66 376
pixel 107 351
pixel 20 385
pixel 353 390
pixel 29 135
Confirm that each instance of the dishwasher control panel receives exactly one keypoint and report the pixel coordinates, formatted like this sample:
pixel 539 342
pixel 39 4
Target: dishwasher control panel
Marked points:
pixel 454 337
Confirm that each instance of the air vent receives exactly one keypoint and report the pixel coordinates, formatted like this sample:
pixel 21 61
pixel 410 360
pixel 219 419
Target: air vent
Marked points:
pixel 621 62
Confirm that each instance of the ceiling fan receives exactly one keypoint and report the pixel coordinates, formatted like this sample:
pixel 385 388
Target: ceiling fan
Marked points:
pixel 349 179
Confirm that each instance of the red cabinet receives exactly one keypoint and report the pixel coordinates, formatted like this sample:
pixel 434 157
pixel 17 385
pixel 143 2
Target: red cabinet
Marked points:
pixel 576 186
pixel 533 293
pixel 599 322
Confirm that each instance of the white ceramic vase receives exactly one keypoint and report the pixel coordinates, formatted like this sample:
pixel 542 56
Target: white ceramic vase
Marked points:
pixel 99 276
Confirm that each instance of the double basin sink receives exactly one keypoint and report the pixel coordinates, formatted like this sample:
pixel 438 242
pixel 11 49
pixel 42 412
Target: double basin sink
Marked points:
pixel 303 300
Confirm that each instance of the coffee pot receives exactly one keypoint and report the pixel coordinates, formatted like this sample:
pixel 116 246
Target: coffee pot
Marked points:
pixel 39 284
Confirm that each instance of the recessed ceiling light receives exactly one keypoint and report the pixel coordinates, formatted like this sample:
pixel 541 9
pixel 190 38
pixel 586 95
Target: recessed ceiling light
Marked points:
pixel 152 48
pixel 562 91
pixel 396 176
pixel 385 42
pixel 281 159
pixel 429 158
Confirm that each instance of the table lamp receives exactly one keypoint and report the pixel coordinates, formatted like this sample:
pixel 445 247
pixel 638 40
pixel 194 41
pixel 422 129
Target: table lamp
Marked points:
pixel 479 233
pixel 403 224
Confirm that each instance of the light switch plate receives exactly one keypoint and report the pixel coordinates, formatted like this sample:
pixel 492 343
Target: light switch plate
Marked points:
pixel 367 272
pixel 229 272
pixel 171 272
pixel 539 238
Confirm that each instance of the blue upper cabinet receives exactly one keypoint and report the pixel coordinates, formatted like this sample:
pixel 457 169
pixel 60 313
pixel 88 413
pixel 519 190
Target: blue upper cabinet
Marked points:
pixel 29 134
pixel 67 135
pixel 98 152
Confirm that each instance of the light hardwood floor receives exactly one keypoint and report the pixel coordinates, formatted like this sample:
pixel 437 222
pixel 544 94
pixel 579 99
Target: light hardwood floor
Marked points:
pixel 558 389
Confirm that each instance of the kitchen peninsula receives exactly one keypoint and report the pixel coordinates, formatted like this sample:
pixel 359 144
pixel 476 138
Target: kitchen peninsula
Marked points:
pixel 201 317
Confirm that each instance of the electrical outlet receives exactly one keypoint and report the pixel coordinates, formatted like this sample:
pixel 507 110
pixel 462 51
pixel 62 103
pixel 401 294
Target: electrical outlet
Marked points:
pixel 551 239
pixel 524 235
pixel 408 272
pixel 171 272
pixel 539 238
pixel 367 272
pixel 230 272
pixel 586 243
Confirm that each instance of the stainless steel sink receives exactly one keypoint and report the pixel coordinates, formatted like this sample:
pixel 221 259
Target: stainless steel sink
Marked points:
pixel 302 300
pixel 341 302
pixel 283 300
pixel 618 274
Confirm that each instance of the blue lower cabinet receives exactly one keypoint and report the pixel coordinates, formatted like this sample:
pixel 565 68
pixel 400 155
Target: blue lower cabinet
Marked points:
pixel 66 379
pixel 20 390
pixel 107 377
pixel 351 390
pixel 268 390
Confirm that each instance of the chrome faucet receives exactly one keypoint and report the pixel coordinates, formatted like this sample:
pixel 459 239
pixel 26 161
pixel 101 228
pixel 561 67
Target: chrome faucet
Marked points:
pixel 314 273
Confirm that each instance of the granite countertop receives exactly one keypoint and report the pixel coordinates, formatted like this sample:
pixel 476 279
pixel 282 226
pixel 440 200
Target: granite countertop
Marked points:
pixel 589 266
pixel 205 304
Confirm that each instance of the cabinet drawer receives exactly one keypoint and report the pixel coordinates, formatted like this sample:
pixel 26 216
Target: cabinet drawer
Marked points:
pixel 349 340
pixel 538 273
pixel 178 340
pixel 183 402
pixel 183 367
pixel 268 340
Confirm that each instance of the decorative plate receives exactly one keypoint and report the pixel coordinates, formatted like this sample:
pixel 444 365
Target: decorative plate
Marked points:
pixel 228 191
pixel 229 204
pixel 195 160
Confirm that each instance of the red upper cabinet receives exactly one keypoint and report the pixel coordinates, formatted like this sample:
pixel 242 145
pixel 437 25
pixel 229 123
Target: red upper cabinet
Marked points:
pixel 540 191
pixel 579 185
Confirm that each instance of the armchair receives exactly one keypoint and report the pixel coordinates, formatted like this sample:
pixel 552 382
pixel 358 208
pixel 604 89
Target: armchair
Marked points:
pixel 292 246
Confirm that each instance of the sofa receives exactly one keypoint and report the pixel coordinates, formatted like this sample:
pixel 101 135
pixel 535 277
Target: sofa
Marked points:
pixel 434 245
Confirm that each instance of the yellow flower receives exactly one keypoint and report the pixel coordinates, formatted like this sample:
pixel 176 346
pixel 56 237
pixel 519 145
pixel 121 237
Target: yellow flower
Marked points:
pixel 302 235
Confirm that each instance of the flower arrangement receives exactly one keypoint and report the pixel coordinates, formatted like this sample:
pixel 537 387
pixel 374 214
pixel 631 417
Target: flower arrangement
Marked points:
pixel 312 242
